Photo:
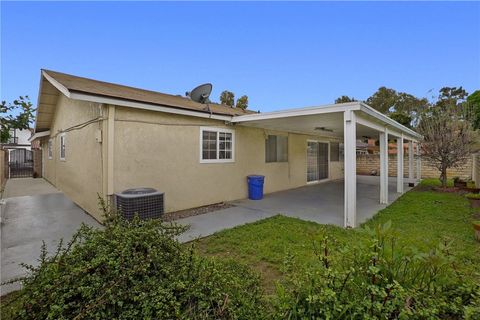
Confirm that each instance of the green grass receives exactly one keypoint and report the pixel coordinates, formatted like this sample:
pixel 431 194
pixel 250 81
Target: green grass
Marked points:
pixel 422 217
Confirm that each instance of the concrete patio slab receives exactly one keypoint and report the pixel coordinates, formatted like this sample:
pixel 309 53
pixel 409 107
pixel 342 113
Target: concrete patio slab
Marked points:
pixel 27 221
pixel 321 203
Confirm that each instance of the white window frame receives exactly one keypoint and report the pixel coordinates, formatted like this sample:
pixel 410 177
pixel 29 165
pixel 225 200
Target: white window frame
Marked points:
pixel 62 139
pixel 217 130
pixel 278 135
pixel 50 149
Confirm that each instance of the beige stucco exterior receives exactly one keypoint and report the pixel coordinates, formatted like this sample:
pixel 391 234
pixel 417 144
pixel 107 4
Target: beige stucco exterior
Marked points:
pixel 79 176
pixel 162 150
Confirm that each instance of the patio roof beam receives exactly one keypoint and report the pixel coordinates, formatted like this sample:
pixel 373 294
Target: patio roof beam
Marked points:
pixel 400 164
pixel 419 163
pixel 341 107
pixel 362 120
pixel 410 161
pixel 393 125
pixel 350 170
pixel 383 137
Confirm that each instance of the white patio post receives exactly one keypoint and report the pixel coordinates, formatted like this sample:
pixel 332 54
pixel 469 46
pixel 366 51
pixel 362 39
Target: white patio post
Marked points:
pixel 384 166
pixel 350 163
pixel 419 163
pixel 400 164
pixel 410 161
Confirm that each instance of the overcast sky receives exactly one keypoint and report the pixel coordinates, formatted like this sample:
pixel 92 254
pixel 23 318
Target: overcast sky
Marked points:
pixel 282 55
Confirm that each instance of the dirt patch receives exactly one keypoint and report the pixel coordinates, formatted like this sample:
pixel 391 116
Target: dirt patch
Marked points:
pixel 476 216
pixel 269 275
pixel 447 189
pixel 423 188
pixel 171 216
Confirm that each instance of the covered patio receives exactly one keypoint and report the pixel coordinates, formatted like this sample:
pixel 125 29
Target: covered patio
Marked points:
pixel 354 199
pixel 323 202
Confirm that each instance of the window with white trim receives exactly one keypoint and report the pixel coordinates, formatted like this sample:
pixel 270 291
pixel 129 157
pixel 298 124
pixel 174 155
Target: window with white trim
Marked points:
pixel 276 149
pixel 216 145
pixel 62 146
pixel 49 149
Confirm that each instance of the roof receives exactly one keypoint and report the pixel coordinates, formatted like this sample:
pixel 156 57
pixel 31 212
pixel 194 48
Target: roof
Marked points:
pixel 304 120
pixel 75 84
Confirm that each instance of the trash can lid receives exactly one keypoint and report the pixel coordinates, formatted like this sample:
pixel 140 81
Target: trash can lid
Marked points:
pixel 256 176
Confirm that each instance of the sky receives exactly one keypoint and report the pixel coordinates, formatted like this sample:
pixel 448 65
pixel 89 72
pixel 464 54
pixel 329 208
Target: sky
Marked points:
pixel 282 55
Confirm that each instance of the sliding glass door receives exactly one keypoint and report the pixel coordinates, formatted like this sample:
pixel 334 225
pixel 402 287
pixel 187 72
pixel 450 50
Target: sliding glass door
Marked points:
pixel 317 161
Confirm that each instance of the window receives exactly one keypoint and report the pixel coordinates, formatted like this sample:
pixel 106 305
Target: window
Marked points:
pixel 276 149
pixel 62 146
pixel 334 151
pixel 217 145
pixel 49 149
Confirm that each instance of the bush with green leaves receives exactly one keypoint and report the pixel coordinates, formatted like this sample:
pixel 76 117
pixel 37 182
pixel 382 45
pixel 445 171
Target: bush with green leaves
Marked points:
pixel 377 280
pixel 136 270
pixel 474 196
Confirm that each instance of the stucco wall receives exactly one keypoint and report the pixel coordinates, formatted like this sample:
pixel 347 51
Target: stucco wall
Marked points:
pixel 80 175
pixel 162 151
pixel 476 169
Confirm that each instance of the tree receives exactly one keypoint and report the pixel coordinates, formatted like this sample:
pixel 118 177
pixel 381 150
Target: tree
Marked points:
pixel 402 118
pixel 242 102
pixel 383 100
pixel 447 139
pixel 18 114
pixel 398 105
pixel 344 99
pixel 453 97
pixel 227 98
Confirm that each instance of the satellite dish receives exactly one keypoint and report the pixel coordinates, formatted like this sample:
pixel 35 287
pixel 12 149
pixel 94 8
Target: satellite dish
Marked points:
pixel 200 93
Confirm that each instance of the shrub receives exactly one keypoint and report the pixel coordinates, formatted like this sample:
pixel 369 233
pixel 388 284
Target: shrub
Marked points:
pixel 136 270
pixel 475 196
pixel 376 280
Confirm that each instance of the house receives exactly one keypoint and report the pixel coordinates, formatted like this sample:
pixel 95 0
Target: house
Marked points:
pixel 100 138
pixel 19 139
pixel 18 154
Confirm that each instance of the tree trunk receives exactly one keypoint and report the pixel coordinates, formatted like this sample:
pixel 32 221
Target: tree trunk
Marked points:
pixel 443 177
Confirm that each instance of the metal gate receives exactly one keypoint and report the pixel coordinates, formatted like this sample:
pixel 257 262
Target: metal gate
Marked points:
pixel 20 163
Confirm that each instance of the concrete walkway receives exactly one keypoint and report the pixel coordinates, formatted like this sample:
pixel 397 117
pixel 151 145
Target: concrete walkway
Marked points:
pixel 19 187
pixel 207 224
pixel 29 219
pixel 321 203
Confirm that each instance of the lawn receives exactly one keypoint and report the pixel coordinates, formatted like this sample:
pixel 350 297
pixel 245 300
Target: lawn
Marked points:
pixel 422 217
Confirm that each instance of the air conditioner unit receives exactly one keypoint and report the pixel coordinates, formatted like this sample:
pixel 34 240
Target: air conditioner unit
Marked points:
pixel 148 203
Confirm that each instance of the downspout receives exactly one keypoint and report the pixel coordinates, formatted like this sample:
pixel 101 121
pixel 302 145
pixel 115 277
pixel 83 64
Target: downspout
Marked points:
pixel 108 129
pixel 110 144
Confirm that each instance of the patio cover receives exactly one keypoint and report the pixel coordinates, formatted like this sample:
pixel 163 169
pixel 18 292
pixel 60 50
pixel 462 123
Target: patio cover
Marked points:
pixel 345 122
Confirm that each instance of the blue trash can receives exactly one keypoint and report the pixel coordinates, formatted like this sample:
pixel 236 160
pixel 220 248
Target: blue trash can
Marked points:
pixel 255 187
